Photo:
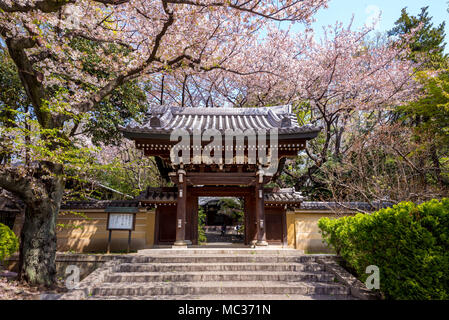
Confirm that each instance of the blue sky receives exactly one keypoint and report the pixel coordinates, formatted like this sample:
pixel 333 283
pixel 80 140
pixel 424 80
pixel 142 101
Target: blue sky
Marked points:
pixel 342 10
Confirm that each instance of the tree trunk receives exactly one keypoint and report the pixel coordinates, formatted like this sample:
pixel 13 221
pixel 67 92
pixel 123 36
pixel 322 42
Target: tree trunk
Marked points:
pixel 38 237
pixel 437 165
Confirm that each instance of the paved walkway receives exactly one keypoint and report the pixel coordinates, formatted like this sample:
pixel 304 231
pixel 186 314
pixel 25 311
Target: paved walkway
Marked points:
pixel 230 237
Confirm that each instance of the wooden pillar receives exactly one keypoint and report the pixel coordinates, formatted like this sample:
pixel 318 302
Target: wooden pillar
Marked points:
pixel 192 221
pixel 181 210
pixel 250 219
pixel 260 211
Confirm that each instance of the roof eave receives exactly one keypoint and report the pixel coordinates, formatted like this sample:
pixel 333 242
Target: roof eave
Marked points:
pixel 133 135
pixel 300 135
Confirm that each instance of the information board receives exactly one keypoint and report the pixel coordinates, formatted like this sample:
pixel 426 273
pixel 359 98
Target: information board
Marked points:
pixel 121 221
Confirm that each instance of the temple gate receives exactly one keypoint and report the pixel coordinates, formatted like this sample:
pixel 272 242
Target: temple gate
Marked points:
pixel 220 152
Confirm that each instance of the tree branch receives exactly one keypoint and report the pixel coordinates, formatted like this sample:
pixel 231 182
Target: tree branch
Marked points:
pixel 241 7
pixel 16 182
pixel 48 6
pixel 133 73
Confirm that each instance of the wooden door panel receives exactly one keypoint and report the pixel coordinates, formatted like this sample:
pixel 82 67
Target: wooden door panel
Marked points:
pixel 274 225
pixel 167 224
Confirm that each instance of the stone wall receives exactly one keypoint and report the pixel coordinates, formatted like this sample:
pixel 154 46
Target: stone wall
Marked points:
pixel 85 231
pixel 87 263
pixel 303 232
pixel 90 235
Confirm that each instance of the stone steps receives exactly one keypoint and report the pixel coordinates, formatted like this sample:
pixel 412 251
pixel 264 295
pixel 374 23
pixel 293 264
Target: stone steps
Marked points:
pixel 197 274
pixel 219 288
pixel 217 258
pixel 219 251
pixel 138 277
pixel 194 267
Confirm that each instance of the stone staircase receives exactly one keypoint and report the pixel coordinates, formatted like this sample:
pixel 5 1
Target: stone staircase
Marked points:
pixel 214 274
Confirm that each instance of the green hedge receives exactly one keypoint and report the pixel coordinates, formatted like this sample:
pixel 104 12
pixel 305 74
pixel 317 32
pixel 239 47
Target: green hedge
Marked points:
pixel 201 223
pixel 409 243
pixel 8 242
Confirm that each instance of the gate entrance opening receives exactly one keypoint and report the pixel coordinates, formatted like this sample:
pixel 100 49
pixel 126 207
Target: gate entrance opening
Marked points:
pixel 204 203
pixel 221 220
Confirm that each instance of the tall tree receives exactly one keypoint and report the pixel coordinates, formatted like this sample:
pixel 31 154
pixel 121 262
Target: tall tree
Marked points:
pixel 428 114
pixel 334 83
pixel 432 126
pixel 398 153
pixel 428 43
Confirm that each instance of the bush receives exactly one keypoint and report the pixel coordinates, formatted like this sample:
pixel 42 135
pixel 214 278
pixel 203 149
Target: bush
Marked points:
pixel 8 242
pixel 201 223
pixel 409 244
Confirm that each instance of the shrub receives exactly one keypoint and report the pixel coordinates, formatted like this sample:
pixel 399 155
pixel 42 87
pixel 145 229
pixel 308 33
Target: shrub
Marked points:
pixel 201 223
pixel 8 242
pixel 409 243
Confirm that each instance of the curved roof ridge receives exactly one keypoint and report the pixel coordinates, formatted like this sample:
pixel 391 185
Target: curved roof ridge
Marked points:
pixel 163 109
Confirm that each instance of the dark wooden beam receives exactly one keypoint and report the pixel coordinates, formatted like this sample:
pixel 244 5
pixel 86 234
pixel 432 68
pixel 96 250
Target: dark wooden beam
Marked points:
pixel 181 212
pixel 219 178
pixel 225 191
pixel 260 214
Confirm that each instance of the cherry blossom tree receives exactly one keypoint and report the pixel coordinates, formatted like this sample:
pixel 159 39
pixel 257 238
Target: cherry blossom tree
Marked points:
pixel 385 165
pixel 127 169
pixel 344 82
pixel 260 80
pixel 133 39
pixel 348 82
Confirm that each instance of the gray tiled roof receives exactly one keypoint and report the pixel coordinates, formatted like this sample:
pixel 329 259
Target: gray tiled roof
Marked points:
pixel 284 196
pixel 86 205
pixel 365 206
pixel 164 119
pixel 205 200
pixel 270 197
pixel 156 195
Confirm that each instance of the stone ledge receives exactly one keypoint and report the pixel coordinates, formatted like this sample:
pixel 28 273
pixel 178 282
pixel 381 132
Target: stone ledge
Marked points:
pixel 79 257
pixel 358 289
pixel 86 262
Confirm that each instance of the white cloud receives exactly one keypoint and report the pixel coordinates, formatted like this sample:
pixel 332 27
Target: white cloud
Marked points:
pixel 374 16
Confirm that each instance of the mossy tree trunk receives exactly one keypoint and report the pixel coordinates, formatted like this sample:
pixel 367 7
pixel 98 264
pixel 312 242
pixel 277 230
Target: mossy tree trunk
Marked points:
pixel 42 194
pixel 38 241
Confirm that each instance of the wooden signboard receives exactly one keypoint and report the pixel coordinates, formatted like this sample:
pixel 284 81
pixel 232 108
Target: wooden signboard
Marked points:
pixel 121 221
